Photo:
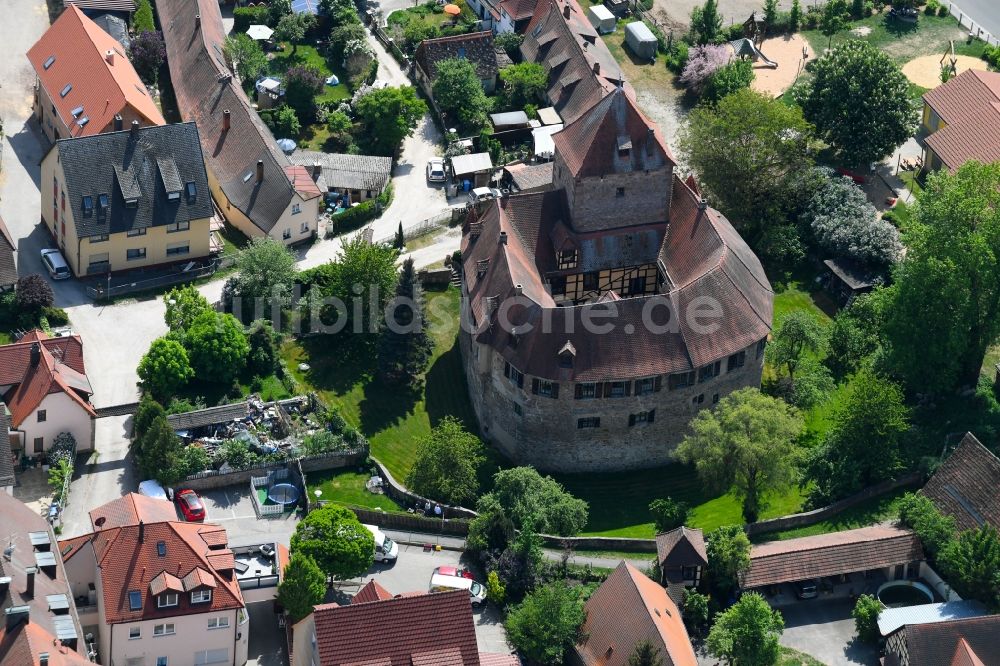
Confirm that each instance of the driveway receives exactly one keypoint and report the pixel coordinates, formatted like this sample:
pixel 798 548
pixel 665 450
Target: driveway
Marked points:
pixel 268 646
pixel 982 12
pixel 824 629
pixel 677 13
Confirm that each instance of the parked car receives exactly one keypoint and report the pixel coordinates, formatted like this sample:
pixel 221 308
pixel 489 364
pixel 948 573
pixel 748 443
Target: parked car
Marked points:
pixel 153 489
pixel 454 571
pixel 484 194
pixel 54 263
pixel 807 589
pixel 435 170
pixel 190 505
pixel 386 549
pixel 442 583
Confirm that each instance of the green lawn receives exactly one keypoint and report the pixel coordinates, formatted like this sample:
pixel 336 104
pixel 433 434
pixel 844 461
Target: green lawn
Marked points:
pixel 867 513
pixel 348 487
pixel 790 657
pixel 233 240
pixel 281 61
pixel 901 40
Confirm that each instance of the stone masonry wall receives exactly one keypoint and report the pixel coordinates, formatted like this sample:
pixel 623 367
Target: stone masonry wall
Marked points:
pixel 594 202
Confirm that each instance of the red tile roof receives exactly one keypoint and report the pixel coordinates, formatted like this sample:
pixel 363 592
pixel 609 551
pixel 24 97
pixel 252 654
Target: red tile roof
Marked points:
pixel 627 609
pixel 967 485
pixel 969 104
pixel 831 554
pixel 682 547
pixel 395 631
pixel 964 656
pixel 24 645
pixel 101 87
pixel 59 370
pixel 129 509
pixel 518 10
pixel 941 643
pixel 372 591
pixel 302 182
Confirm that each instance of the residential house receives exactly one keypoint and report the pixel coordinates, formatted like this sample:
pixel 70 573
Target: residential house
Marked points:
pixel 40 622
pixel 892 620
pixel 128 199
pixel 162 593
pixel 967 485
pixel 414 629
pixel 8 265
pixel 488 13
pixel 961 121
pixel 524 178
pixel 476 47
pixel 7 459
pixel 358 177
pixel 85 81
pixel 683 560
pixel 515 15
pixel 629 609
pixel 961 642
pixel 123 8
pixel 43 382
pixel 253 183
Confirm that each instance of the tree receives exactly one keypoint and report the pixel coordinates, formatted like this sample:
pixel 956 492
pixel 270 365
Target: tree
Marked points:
pixel 158 453
pixel 336 540
pixel 524 83
pixel 695 610
pixel 183 305
pixel 302 588
pixel 547 623
pixel 509 42
pixel 706 23
pixel 728 550
pixel 798 333
pixel 339 125
pixel 388 116
pixel 727 80
pixel 145 414
pixel 702 63
pixel 263 341
pixel 947 288
pixel 833 19
pixel 865 444
pixel 217 347
pixel 645 655
pixel 142 20
pixel 340 36
pixel 282 121
pixel 302 84
pixel 858 9
pixel 147 53
pixel 971 564
pixel 526 496
pixel 244 56
pixel 459 92
pixel 847 225
pixel 404 346
pixel 277 9
pixel 760 182
pixel 935 529
pixel 668 514
pixel 859 102
pixel 866 611
pixel 795 16
pixel 265 269
pixel 495 591
pixel 293 27
pixel 747 633
pixel 854 335
pixel 400 241
pixel 748 443
pixel 770 12
pixel 358 57
pixel 447 464
pixel 165 368
pixel 33 293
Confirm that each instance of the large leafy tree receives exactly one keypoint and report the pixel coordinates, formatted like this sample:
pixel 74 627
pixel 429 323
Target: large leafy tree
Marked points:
pixel 293 28
pixel 535 502
pixel 798 333
pixel 865 614
pixel 833 19
pixel 183 305
pixel 547 623
pixel 388 116
pixel 244 56
pixel 165 368
pixel 32 293
pixel 303 586
pixel 859 102
pixel 749 153
pixel 706 23
pixel 334 537
pixel 447 464
pixel 747 633
pixel 524 83
pixel 847 225
pixel 947 289
pixel 746 443
pixel 302 84
pixel 265 269
pixel 728 550
pixel 971 564
pixel 935 529
pixel 865 444
pixel 404 346
pixel 459 92
pixel 217 347
pixel 147 53
pixel 854 335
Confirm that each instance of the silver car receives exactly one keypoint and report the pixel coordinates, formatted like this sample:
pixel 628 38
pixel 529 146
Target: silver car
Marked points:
pixel 435 170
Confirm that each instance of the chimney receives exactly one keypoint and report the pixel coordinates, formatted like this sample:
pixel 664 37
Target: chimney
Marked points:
pixel 566 11
pixel 109 55
pixel 142 532
pixel 43 659
pixel 225 120
pixel 518 289
pixel 260 170
pixel 29 587
pixel 4 586
pixel 36 353
pixel 16 615
pixel 197 20
pixel 597 67
pixel 650 140
pixel 503 238
pixel 702 204
pixel 135 127
pixel 119 125
pixel 317 170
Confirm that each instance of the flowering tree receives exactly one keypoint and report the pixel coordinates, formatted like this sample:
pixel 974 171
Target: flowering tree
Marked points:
pixel 147 53
pixel 703 61
pixel 847 224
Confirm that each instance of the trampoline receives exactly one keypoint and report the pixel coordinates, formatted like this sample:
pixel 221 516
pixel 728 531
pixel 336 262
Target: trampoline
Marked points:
pixel 283 493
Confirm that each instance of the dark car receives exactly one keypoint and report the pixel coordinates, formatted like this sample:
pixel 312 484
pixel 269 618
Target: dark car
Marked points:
pixel 190 505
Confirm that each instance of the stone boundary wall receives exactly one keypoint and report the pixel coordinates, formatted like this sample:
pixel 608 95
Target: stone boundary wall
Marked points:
pixel 398 492
pixel 410 522
pixel 215 479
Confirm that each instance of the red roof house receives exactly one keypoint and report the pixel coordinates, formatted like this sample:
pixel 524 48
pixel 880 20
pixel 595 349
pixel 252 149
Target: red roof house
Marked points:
pixel 961 121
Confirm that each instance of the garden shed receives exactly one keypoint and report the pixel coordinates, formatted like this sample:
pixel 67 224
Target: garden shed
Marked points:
pixel 602 19
pixel 641 40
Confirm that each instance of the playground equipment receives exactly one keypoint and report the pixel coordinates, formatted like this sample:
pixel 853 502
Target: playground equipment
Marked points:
pixel 952 65
pixel 754 30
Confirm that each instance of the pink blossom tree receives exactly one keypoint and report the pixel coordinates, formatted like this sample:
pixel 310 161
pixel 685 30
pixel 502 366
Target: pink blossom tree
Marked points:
pixel 703 61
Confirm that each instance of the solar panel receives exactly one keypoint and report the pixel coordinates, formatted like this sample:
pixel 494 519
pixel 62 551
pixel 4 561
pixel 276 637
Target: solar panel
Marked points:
pixel 77 111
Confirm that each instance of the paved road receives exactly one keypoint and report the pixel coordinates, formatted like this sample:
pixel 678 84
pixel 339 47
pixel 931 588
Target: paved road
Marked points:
pixel 824 629
pixel 985 13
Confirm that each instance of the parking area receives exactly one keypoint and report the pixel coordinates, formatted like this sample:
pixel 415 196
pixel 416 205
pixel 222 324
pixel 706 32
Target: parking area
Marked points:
pixel 824 629
pixel 233 508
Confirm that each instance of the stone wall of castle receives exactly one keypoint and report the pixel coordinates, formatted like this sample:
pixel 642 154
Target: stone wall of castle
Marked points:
pixel 617 199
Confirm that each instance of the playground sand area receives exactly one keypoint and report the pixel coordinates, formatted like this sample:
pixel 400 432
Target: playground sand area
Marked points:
pixel 787 52
pixel 926 70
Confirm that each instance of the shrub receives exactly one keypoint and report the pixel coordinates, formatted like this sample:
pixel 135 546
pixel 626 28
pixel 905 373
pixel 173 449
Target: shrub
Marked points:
pixel 33 293
pixel 495 591
pixel 56 316
pixel 702 63
pixel 677 56
pixel 352 218
pixel 865 613
pixel 668 513
pixel 244 17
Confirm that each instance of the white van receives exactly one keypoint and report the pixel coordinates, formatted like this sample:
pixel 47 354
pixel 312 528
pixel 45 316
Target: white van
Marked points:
pixel 386 549
pixel 444 583
pixel 54 263
pixel 153 489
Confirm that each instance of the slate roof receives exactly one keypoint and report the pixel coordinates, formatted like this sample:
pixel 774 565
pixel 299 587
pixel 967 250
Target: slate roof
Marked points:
pixel 340 171
pixel 113 24
pixel 476 47
pixel 398 632
pixel 59 370
pixel 830 554
pixel 682 547
pixel 941 643
pixel 967 485
pixel 138 163
pixel 530 177
pixel 8 265
pixel 627 609
pixel 78 46
pixel 970 106
pixel 205 88
pixel 209 416
pixel 129 509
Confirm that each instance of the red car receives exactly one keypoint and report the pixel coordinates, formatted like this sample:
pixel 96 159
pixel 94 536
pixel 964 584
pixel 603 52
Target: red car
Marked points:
pixel 190 505
pixel 453 571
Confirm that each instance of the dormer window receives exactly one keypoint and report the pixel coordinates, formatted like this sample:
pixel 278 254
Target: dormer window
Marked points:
pixel 174 196
pixel 167 599
pixel 88 205
pixel 191 190
pixel 134 600
pixel 461 52
pixel 132 203
pixel 567 259
pixel 201 596
pixel 102 202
